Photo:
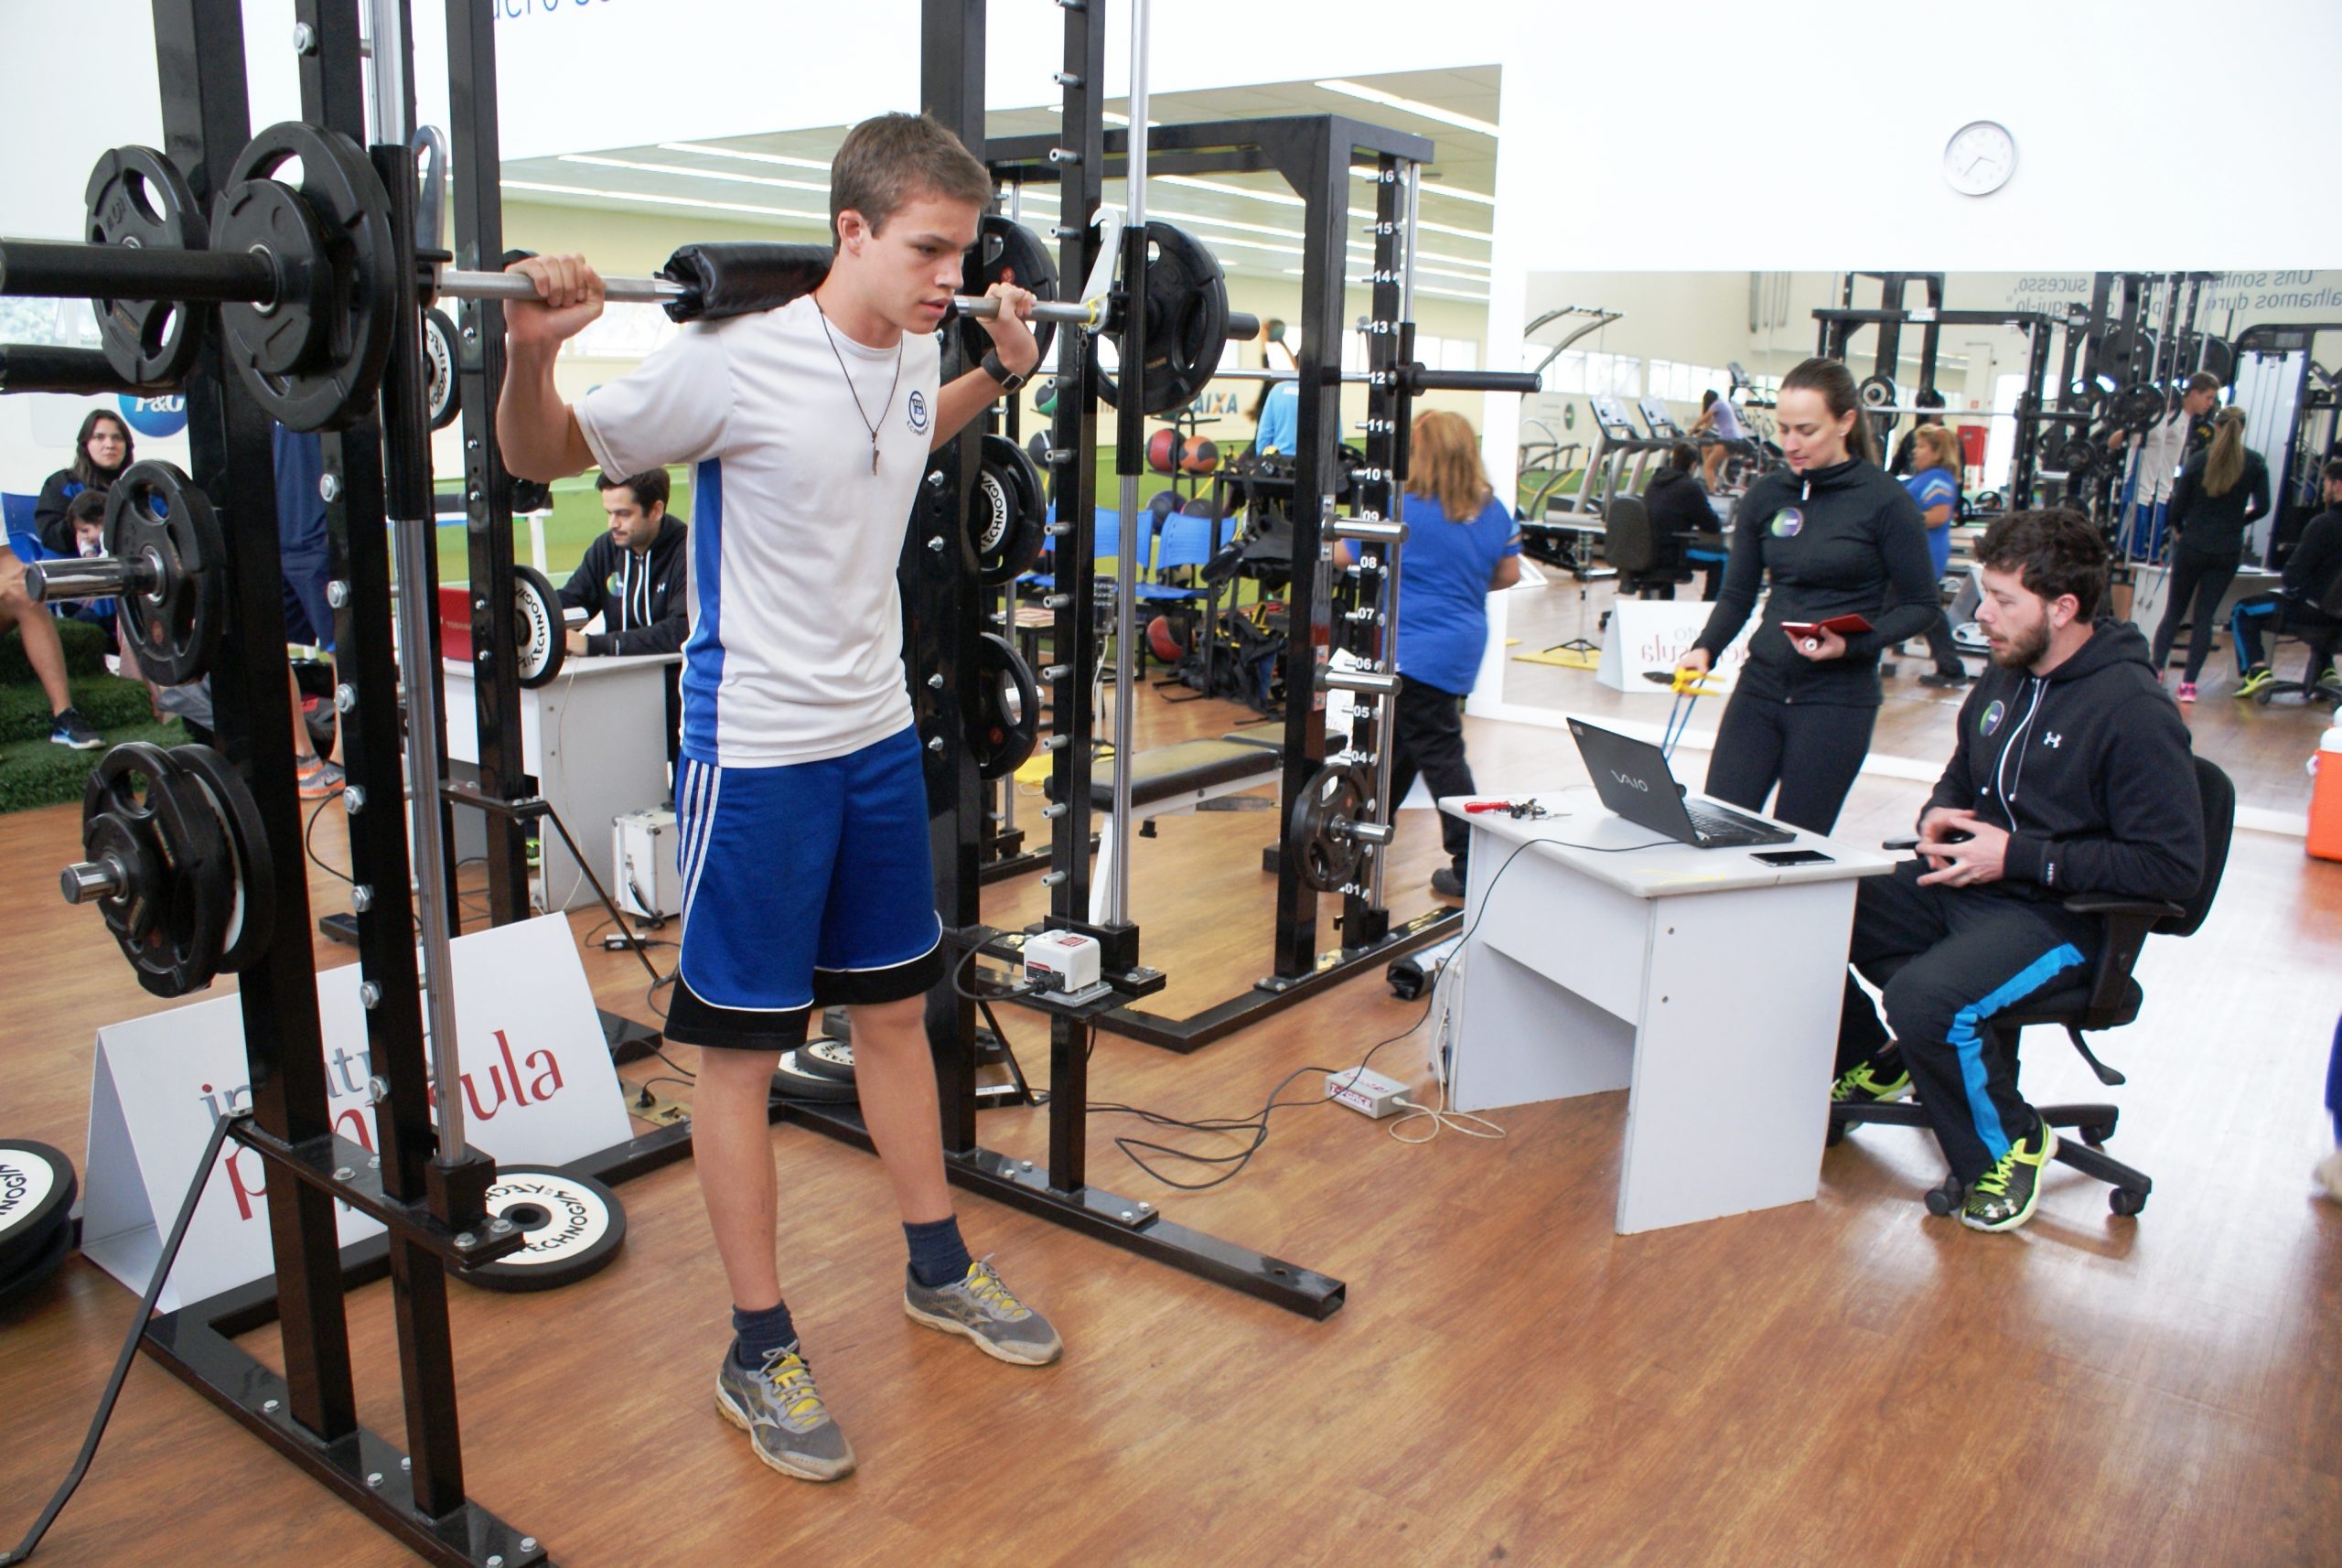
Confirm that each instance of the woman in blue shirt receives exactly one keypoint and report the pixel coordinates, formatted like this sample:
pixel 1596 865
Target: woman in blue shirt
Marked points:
pixel 1462 545
pixel 1935 485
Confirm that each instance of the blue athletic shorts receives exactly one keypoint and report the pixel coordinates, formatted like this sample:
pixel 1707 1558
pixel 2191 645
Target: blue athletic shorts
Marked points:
pixel 804 885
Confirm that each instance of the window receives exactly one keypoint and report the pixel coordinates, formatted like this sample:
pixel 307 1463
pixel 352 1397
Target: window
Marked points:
pixel 1457 354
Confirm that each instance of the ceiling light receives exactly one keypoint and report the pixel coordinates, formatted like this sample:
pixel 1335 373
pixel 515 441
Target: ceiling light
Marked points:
pixel 820 218
pixel 1412 107
pixel 694 173
pixel 744 154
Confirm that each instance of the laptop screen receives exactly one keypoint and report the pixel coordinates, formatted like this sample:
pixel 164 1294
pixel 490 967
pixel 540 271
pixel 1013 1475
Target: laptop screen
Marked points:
pixel 1634 781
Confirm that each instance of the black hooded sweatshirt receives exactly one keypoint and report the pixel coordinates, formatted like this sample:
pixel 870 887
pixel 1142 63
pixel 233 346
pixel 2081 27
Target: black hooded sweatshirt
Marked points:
pixel 2088 769
pixel 1842 540
pixel 643 600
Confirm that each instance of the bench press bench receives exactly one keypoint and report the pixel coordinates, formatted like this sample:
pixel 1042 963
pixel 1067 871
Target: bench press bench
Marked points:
pixel 1176 778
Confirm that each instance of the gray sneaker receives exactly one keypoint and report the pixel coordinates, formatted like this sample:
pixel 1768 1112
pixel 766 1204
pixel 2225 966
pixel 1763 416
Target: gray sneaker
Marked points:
pixel 983 1308
pixel 781 1411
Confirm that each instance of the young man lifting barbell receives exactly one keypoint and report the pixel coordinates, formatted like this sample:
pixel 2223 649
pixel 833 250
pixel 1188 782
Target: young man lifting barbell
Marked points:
pixel 800 795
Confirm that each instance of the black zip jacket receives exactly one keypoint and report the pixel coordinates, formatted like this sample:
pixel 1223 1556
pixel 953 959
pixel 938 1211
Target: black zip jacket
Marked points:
pixel 2088 769
pixel 644 600
pixel 1838 540
pixel 2313 570
pixel 2214 525
pixel 1678 504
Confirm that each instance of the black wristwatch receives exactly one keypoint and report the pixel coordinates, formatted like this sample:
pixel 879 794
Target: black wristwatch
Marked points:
pixel 993 367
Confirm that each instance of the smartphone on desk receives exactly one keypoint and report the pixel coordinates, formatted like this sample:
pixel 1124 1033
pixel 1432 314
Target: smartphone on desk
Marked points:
pixel 1795 857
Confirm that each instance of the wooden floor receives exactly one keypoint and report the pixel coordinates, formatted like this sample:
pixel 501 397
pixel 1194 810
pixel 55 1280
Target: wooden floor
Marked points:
pixel 1844 1381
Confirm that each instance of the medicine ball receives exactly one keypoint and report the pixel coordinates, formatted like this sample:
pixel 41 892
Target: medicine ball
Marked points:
pixel 1164 641
pixel 1161 450
pixel 1198 455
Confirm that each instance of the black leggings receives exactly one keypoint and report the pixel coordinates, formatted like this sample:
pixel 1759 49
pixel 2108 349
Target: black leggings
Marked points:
pixel 1430 741
pixel 1757 736
pixel 2203 578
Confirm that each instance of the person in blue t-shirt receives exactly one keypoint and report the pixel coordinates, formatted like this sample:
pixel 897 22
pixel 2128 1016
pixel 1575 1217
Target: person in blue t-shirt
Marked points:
pixel 1935 485
pixel 1462 545
pixel 1279 419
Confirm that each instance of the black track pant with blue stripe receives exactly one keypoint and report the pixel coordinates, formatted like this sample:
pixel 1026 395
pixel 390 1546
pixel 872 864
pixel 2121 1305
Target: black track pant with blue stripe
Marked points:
pixel 1964 954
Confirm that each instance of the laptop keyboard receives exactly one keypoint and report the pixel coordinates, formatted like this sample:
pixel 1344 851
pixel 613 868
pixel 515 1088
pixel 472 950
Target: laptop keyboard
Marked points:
pixel 1716 826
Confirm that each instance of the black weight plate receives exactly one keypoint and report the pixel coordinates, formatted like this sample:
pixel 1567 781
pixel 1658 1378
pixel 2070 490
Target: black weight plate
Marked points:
pixel 2076 458
pixel 794 1080
pixel 1317 832
pixel 252 915
pixel 1008 516
pixel 355 277
pixel 156 512
pixel 57 1246
pixel 1005 249
pixel 1187 321
pixel 188 882
pixel 1876 392
pixel 575 1226
pixel 443 397
pixel 138 196
pixel 538 630
pixel 36 1191
pixel 2137 407
pixel 1008 707
pixel 287 335
pixel 833 1059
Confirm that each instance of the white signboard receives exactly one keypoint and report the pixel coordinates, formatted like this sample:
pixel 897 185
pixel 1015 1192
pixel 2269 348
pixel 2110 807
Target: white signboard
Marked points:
pixel 537 1084
pixel 1648 635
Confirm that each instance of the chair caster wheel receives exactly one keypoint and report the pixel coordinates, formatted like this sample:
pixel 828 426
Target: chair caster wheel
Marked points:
pixel 2096 1134
pixel 1945 1199
pixel 2126 1202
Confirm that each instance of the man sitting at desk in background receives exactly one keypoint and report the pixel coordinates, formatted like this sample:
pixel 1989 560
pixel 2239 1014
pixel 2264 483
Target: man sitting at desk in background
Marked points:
pixel 636 578
pixel 2072 776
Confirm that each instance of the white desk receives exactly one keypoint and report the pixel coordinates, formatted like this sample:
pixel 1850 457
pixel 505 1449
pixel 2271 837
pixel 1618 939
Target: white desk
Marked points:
pixel 1704 982
pixel 596 738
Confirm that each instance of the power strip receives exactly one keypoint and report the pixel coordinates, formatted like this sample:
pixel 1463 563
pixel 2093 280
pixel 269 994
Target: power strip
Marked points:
pixel 1366 1091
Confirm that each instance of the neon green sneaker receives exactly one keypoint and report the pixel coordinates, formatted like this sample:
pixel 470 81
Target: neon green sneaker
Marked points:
pixel 2259 675
pixel 2005 1197
pixel 1877 1081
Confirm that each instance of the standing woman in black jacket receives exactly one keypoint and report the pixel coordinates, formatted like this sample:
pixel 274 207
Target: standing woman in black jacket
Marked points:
pixel 101 452
pixel 2217 496
pixel 1835 536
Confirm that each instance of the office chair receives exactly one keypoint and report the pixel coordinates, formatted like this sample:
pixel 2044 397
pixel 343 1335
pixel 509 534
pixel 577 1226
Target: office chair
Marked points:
pixel 2107 998
pixel 1649 560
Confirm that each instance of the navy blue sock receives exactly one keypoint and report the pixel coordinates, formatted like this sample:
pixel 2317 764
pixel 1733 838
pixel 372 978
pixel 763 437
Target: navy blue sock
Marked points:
pixel 938 1255
pixel 757 1334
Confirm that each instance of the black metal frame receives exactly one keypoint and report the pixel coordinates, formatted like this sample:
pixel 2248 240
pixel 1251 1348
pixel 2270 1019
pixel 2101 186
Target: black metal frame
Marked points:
pixel 1313 154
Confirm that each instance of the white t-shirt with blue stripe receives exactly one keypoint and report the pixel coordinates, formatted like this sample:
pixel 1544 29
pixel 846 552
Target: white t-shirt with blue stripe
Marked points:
pixel 796 647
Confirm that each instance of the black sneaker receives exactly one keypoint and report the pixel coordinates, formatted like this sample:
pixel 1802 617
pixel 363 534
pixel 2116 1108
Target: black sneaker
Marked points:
pixel 2005 1197
pixel 1944 678
pixel 1447 883
pixel 71 728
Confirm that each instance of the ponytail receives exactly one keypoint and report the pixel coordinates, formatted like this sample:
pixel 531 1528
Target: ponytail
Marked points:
pixel 2224 462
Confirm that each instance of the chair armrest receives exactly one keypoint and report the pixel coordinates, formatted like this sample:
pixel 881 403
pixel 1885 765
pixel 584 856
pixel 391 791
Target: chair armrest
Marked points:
pixel 2113 907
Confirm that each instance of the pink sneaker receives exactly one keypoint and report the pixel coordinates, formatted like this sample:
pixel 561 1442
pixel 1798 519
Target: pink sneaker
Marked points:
pixel 2188 690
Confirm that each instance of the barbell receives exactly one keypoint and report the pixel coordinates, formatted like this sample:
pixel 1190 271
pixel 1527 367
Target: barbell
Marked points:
pixel 305 277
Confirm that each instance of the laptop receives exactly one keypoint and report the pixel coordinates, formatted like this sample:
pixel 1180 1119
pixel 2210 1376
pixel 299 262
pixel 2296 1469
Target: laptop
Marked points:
pixel 1634 781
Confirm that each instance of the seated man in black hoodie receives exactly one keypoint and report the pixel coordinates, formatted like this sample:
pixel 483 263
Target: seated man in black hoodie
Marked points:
pixel 636 578
pixel 2308 605
pixel 1682 518
pixel 2072 776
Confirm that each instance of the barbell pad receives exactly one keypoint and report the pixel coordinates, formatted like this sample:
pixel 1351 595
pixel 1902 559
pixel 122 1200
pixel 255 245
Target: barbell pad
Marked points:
pixel 741 277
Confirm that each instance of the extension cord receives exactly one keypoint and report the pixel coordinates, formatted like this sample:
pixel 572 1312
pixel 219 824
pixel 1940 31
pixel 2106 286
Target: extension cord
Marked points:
pixel 1366 1091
